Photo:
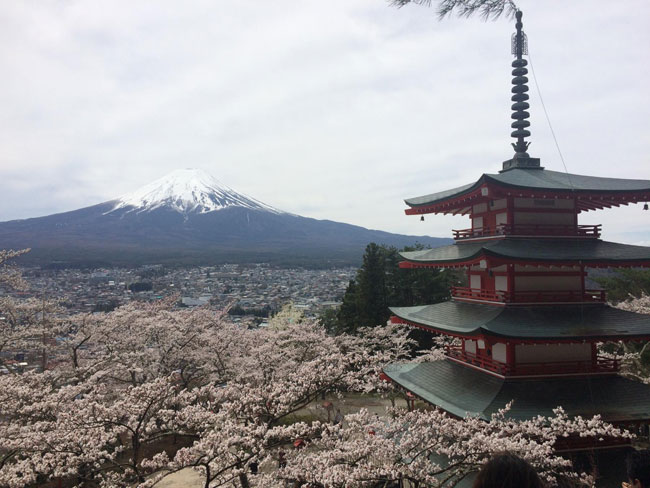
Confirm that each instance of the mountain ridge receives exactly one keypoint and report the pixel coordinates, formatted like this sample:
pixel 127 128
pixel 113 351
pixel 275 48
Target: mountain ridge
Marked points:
pixel 191 218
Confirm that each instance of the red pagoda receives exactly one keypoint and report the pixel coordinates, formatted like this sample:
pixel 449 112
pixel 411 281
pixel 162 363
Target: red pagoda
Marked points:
pixel 527 324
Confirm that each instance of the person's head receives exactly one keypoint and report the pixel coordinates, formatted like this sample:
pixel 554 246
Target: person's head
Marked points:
pixel 638 469
pixel 507 471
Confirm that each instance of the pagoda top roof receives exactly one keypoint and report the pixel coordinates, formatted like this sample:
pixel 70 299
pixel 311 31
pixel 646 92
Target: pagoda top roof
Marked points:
pixel 461 391
pixel 596 322
pixel 539 179
pixel 593 252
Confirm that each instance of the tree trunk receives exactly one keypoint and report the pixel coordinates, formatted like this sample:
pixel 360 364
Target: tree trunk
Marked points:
pixel 207 476
pixel 243 479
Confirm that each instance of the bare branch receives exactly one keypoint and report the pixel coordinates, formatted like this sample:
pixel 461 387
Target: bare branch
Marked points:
pixel 487 9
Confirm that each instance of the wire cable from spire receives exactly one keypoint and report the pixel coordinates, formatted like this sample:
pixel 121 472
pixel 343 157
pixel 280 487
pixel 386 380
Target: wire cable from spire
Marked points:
pixel 548 120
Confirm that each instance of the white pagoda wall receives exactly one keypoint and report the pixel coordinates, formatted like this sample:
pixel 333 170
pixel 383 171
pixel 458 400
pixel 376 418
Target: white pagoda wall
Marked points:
pixel 565 216
pixel 538 283
pixel 541 218
pixel 564 204
pixel 501 283
pixel 499 204
pixel 540 353
pixel 499 352
pixel 475 281
pixel 480 208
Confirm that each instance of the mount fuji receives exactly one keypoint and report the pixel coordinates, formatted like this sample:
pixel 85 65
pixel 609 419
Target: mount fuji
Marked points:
pixel 188 217
pixel 188 191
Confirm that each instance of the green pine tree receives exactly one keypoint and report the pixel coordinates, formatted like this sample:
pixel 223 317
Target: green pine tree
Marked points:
pixel 347 315
pixel 371 287
pixel 625 283
pixel 381 283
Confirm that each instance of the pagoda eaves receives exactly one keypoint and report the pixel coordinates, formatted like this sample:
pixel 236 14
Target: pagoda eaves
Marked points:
pixel 464 391
pixel 589 192
pixel 547 252
pixel 568 322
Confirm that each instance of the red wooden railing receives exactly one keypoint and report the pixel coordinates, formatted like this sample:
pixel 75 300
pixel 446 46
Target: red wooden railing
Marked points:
pixel 530 230
pixel 556 296
pixel 478 294
pixel 595 296
pixel 456 352
pixel 601 365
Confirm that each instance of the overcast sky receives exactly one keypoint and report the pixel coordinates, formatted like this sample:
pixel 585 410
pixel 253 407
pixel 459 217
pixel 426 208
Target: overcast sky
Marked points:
pixel 334 109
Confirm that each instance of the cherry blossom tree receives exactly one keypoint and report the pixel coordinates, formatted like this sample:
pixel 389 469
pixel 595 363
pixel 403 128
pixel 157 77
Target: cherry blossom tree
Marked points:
pixel 10 276
pixel 142 341
pixel 432 449
pixel 634 356
pixel 283 370
pixel 27 325
pixel 92 418
pixel 83 433
pixel 148 389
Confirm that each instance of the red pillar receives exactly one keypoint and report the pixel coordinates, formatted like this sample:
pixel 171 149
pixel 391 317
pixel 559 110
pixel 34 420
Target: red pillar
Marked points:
pixel 510 269
pixel 594 355
pixel 510 212
pixel 510 355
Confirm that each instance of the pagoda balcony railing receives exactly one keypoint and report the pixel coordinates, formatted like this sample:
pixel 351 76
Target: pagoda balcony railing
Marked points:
pixel 595 296
pixel 529 230
pixel 600 365
pixel 478 294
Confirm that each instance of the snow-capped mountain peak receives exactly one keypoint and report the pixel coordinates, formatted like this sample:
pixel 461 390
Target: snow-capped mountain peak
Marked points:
pixel 187 191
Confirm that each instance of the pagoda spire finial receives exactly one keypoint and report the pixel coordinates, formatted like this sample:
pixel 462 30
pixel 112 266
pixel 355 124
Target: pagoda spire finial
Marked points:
pixel 520 107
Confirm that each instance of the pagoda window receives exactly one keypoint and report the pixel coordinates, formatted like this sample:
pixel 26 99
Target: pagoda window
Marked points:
pixel 547 353
pixel 475 281
pixel 501 218
pixel 501 283
pixel 499 352
pixel 477 223
pixel 470 346
pixel 498 204
pixel 480 208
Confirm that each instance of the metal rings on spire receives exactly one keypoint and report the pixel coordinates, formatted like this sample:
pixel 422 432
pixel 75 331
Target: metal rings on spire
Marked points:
pixel 519 91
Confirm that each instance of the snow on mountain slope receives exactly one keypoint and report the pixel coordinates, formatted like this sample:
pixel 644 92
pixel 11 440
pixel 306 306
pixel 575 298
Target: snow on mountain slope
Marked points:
pixel 187 191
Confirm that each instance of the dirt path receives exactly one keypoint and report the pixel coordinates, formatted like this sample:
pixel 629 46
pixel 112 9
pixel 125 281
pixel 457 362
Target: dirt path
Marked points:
pixel 187 478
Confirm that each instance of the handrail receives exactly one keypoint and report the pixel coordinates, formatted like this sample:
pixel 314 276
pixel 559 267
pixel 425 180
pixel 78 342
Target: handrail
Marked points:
pixel 541 296
pixel 478 294
pixel 456 352
pixel 601 365
pixel 551 230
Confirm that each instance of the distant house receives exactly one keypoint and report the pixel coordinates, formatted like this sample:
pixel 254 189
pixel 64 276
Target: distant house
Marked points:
pixel 195 302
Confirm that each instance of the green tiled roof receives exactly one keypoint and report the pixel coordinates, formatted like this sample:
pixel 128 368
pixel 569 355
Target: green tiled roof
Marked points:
pixel 526 249
pixel 465 391
pixel 539 179
pixel 578 322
